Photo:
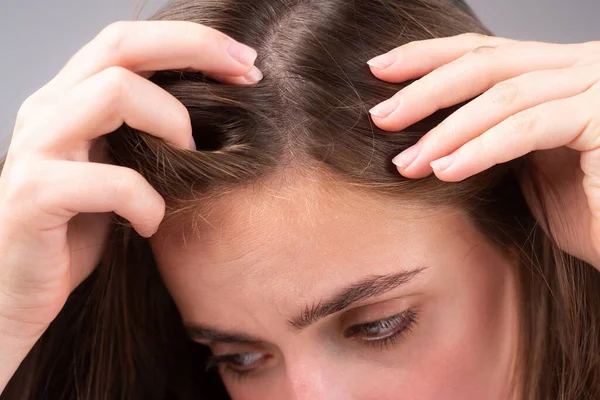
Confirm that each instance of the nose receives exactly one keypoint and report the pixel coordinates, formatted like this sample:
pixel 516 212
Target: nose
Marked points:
pixel 313 379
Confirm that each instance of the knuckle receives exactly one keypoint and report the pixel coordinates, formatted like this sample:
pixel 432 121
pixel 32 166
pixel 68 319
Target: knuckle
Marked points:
pixel 26 110
pixel 522 123
pixel 591 130
pixel 442 133
pixel 431 83
pixel 183 119
pixel 483 50
pixel 589 135
pixel 476 38
pixel 202 35
pixel 504 93
pixel 23 182
pixel 25 107
pixel 129 181
pixel 113 36
pixel 474 148
pixel 115 83
pixel 410 46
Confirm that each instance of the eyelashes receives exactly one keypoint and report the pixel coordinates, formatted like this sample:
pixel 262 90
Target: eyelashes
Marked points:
pixel 384 332
pixel 238 365
pixel 381 334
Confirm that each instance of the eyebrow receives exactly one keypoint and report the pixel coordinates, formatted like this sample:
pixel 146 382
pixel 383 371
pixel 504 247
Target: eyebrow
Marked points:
pixel 359 291
pixel 198 331
pixel 363 290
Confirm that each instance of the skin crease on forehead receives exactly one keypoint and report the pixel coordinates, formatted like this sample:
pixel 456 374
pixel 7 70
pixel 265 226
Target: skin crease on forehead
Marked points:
pixel 268 251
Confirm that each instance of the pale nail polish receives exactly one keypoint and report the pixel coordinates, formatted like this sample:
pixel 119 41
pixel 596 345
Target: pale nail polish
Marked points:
pixel 384 108
pixel 382 61
pixel 254 75
pixel 404 159
pixel 443 163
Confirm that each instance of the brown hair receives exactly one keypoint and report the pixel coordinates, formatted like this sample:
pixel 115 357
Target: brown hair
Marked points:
pixel 120 335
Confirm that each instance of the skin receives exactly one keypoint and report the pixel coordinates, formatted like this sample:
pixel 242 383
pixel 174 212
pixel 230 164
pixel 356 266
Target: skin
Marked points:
pixel 58 189
pixel 264 255
pixel 53 230
pixel 514 112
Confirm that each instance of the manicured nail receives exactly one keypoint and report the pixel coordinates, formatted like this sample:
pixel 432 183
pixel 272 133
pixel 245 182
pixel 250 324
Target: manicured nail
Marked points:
pixel 404 159
pixel 384 108
pixel 442 163
pixel 242 53
pixel 192 144
pixel 382 61
pixel 254 75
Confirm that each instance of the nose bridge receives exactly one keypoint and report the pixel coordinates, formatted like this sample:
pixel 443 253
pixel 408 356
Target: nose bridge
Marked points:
pixel 313 377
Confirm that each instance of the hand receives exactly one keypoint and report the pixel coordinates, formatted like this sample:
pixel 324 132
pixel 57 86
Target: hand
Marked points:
pixel 535 97
pixel 58 188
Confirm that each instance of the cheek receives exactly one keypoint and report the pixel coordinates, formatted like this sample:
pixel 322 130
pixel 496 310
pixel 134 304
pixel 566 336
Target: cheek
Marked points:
pixel 459 363
pixel 468 334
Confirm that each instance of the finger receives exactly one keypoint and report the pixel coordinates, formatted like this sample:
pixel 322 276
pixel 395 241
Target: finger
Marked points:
pixel 102 104
pixel 566 122
pixel 87 235
pixel 157 45
pixel 467 77
pixel 419 58
pixel 65 188
pixel 494 106
pixel 252 77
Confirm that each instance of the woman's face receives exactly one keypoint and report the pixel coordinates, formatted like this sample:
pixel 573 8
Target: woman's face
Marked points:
pixel 307 290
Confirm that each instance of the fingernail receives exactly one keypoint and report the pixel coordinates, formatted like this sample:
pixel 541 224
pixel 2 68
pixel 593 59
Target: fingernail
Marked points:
pixel 242 53
pixel 254 75
pixel 404 159
pixel 384 108
pixel 382 61
pixel 442 163
pixel 192 144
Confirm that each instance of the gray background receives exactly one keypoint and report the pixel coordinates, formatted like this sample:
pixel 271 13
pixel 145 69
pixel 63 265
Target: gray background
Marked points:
pixel 37 37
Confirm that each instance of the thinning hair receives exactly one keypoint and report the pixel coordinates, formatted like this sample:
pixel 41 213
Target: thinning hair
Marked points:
pixel 120 335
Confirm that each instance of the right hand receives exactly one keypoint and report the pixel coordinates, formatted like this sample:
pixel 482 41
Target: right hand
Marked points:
pixel 57 191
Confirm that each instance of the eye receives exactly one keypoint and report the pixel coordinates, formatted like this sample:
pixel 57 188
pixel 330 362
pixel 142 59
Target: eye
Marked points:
pixel 384 332
pixel 239 364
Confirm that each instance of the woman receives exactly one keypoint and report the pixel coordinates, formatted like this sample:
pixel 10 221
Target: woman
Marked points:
pixel 285 240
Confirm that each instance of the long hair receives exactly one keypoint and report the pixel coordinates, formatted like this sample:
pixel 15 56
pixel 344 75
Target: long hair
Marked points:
pixel 120 335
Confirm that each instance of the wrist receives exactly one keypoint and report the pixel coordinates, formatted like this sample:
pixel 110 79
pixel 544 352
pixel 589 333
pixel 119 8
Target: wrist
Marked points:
pixel 15 344
pixel 17 323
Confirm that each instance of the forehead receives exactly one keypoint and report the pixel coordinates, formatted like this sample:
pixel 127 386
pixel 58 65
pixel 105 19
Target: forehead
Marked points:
pixel 295 241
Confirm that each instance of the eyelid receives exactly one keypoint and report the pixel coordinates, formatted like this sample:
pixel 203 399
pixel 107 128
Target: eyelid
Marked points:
pixel 404 317
pixel 355 329
pixel 214 360
pixel 380 310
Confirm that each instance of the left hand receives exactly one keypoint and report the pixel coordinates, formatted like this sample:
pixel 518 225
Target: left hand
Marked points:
pixel 535 97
